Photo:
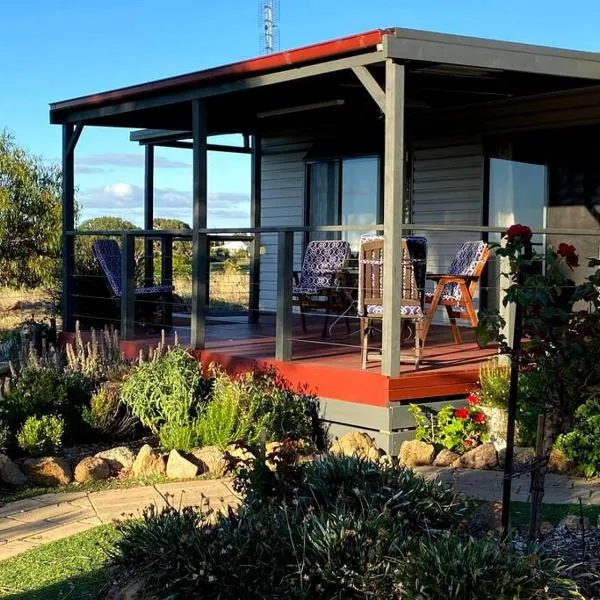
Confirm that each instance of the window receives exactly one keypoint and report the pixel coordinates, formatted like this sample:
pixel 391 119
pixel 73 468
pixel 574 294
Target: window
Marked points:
pixel 344 192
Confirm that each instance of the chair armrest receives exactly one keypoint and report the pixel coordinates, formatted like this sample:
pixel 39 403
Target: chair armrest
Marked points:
pixel 451 278
pixel 296 276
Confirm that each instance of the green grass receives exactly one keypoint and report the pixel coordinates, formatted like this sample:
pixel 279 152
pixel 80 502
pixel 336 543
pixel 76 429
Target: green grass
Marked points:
pixel 73 568
pixel 553 513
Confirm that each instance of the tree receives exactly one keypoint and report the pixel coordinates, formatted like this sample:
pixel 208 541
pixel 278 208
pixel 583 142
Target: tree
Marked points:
pixel 182 249
pixel 30 217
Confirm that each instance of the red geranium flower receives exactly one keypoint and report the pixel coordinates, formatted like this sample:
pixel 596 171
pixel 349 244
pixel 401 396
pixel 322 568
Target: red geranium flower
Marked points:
pixel 468 443
pixel 520 232
pixel 478 418
pixel 472 399
pixel 569 253
pixel 462 413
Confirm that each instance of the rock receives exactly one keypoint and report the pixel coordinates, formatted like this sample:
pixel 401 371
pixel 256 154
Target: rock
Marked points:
pixel 91 468
pixel 119 459
pixel 572 523
pixel 209 459
pixel 559 462
pixel 522 456
pixel 484 519
pixel 50 471
pixel 415 453
pixel 10 472
pixel 240 453
pixel 445 458
pixel 482 457
pixel 148 463
pixel 546 528
pixel 179 467
pixel 356 443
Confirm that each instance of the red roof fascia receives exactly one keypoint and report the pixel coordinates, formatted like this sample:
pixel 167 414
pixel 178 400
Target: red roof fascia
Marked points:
pixel 262 64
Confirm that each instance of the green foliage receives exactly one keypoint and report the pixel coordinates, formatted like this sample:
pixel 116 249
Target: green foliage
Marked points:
pixel 166 390
pixel 4 436
pixel 30 217
pixel 182 250
pixel 452 568
pixel 456 429
pixel 582 443
pixel 341 528
pixel 494 383
pixel 173 436
pixel 108 415
pixel 41 435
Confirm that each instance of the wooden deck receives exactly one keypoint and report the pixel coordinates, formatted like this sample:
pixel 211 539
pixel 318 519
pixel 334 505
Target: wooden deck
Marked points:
pixel 330 367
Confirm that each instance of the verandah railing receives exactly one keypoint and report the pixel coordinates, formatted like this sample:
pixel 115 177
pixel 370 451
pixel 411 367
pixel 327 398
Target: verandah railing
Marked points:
pixel 284 242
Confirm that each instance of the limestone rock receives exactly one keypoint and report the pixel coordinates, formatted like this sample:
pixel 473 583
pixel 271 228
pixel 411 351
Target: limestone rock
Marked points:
pixel 356 443
pixel 119 459
pixel 92 468
pixel 559 462
pixel 50 471
pixel 415 453
pixel 485 518
pixel 148 463
pixel 10 472
pixel 445 458
pixel 179 467
pixel 240 453
pixel 572 523
pixel 209 459
pixel 522 456
pixel 482 457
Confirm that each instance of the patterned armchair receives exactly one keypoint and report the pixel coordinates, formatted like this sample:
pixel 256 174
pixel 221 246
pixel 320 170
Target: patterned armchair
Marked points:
pixel 370 291
pixel 455 289
pixel 148 299
pixel 317 285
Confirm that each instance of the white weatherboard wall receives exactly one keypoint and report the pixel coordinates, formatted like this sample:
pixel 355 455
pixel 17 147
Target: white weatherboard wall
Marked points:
pixel 447 189
pixel 283 173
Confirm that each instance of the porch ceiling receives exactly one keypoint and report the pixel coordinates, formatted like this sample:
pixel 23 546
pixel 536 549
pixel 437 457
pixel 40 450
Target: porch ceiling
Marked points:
pixel 442 71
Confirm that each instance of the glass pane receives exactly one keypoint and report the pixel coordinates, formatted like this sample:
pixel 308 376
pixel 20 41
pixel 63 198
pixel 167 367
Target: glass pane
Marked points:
pixel 324 197
pixel 518 194
pixel 360 195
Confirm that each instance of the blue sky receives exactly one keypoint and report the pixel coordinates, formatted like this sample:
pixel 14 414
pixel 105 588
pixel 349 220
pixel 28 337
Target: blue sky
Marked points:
pixel 67 48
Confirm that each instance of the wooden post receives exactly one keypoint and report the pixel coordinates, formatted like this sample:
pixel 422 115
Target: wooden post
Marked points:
pixel 166 260
pixel 127 286
pixel 68 224
pixel 149 214
pixel 393 210
pixel 199 221
pixel 538 476
pixel 285 274
pixel 255 211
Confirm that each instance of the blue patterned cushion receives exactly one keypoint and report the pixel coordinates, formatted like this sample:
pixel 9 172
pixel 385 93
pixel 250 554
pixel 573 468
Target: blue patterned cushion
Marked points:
pixel 464 263
pixel 108 254
pixel 446 299
pixel 405 311
pixel 323 259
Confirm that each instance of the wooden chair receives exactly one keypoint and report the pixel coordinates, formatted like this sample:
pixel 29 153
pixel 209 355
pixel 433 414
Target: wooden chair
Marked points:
pixel 148 299
pixel 370 295
pixel 455 289
pixel 318 283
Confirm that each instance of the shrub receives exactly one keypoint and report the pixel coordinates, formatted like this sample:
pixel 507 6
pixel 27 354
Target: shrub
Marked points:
pixel 456 429
pixel 41 435
pixel 452 568
pixel 108 415
pixel 4 436
pixel 494 383
pixel 166 390
pixel 173 436
pixel 582 444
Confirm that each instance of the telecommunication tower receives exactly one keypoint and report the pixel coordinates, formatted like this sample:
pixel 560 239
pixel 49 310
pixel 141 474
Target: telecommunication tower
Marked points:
pixel 269 25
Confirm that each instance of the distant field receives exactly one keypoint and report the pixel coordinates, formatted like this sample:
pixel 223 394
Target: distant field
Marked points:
pixel 17 306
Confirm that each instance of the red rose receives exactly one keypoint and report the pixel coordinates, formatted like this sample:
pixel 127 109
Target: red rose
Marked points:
pixel 518 232
pixel 472 399
pixel 569 253
pixel 462 413
pixel 478 418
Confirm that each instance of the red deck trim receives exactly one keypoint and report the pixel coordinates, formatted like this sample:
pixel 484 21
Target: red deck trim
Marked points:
pixel 261 64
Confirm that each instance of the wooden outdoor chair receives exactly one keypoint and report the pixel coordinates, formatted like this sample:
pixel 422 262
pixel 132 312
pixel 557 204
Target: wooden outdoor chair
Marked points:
pixel 370 296
pixel 455 289
pixel 318 283
pixel 149 300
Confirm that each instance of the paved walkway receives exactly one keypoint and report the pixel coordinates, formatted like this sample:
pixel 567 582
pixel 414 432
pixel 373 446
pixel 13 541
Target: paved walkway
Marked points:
pixel 35 521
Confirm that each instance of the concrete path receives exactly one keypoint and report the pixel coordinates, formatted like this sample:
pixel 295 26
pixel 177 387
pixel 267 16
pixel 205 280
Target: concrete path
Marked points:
pixel 34 521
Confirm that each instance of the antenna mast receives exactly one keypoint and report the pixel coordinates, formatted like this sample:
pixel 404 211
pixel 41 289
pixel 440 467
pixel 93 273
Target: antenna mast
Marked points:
pixel 269 24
